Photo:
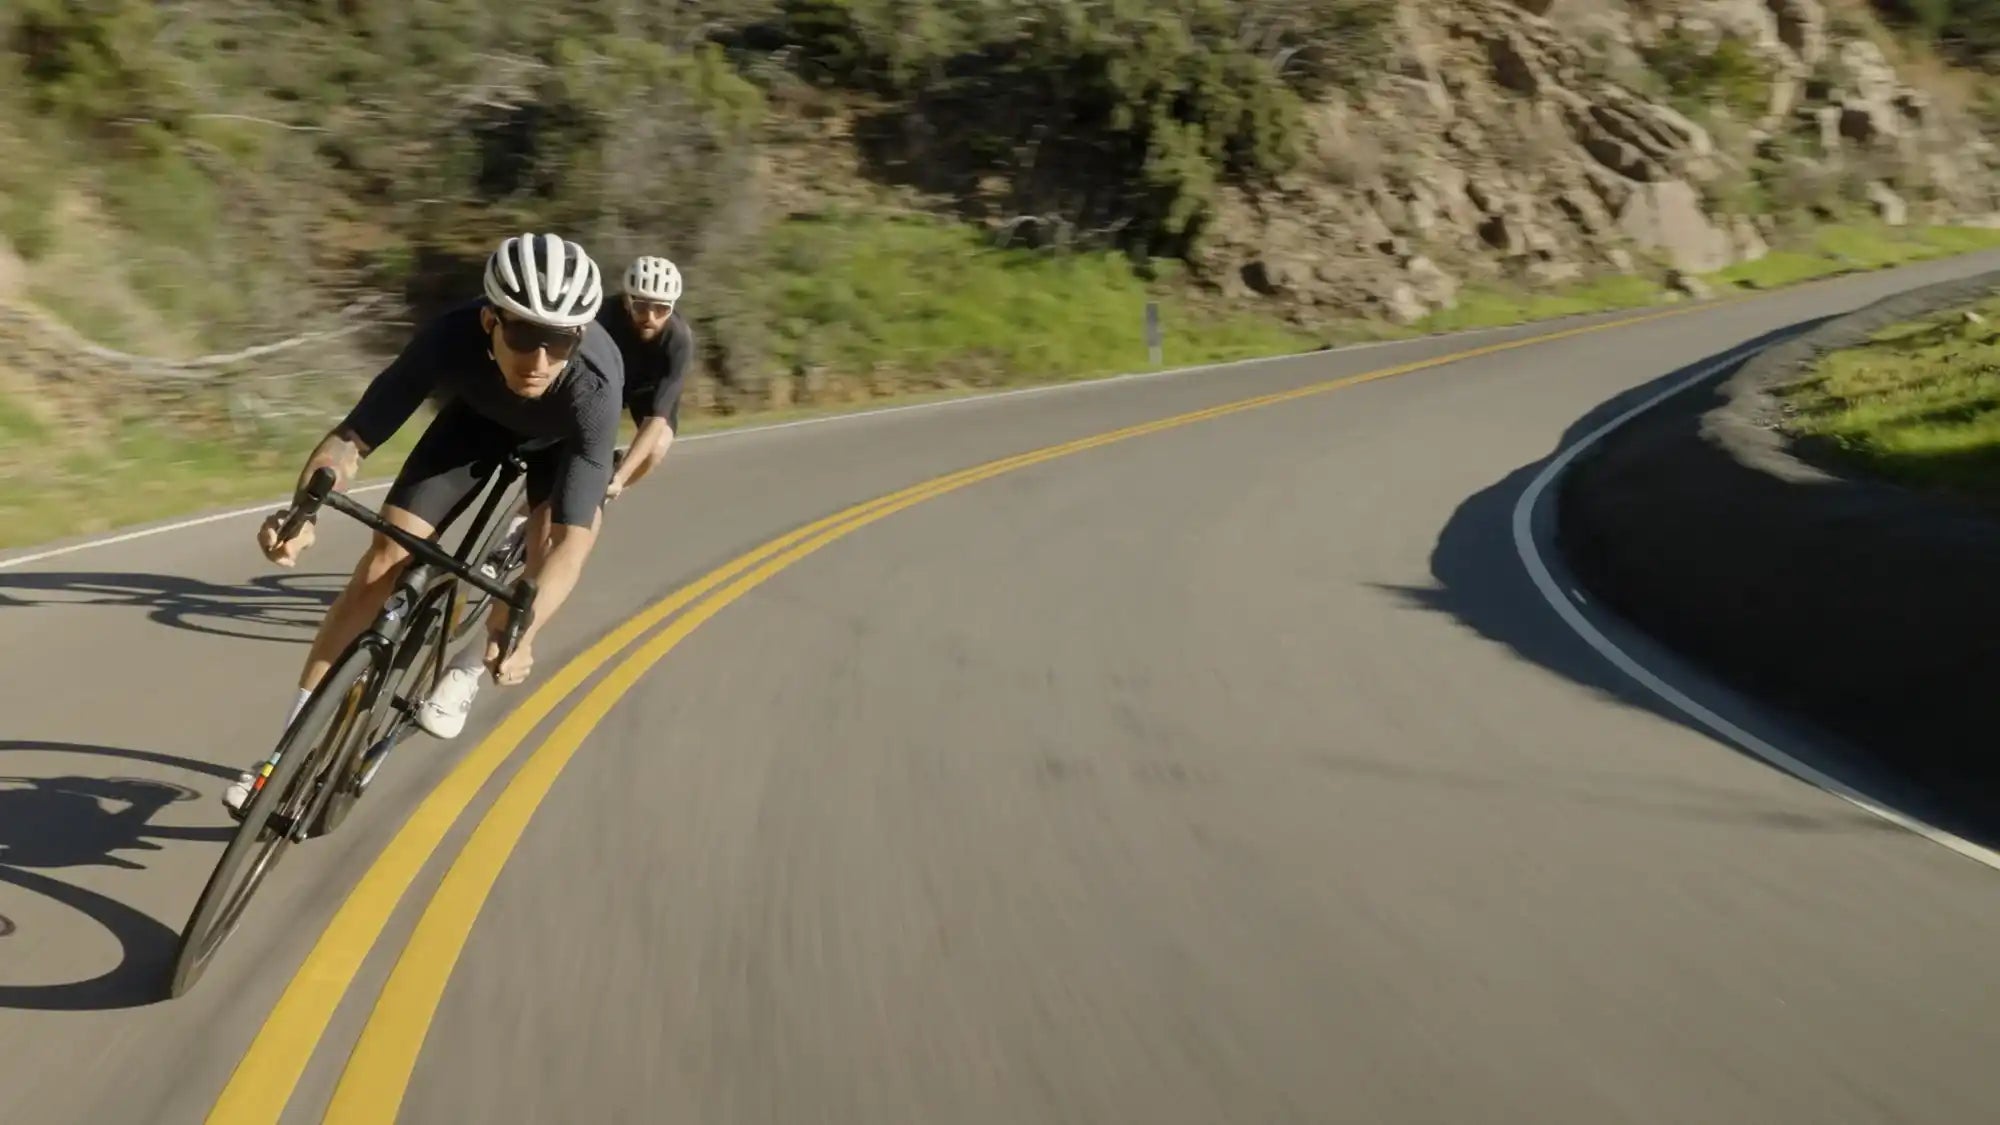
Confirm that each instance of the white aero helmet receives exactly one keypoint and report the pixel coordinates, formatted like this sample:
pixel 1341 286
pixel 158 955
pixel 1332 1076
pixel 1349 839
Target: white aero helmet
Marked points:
pixel 546 279
pixel 653 279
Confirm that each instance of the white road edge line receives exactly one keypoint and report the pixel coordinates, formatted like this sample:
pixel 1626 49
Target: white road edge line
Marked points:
pixel 848 416
pixel 1531 556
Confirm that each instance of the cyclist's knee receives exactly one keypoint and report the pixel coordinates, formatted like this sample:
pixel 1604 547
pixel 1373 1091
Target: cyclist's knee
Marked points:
pixel 381 562
pixel 385 558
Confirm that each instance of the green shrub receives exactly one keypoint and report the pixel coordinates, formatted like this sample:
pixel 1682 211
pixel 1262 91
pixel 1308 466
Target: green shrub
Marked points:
pixel 94 62
pixel 1699 77
pixel 1966 32
pixel 1113 116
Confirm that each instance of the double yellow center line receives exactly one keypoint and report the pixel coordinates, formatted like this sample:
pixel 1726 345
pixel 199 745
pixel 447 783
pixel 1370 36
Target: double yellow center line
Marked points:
pixel 378 1072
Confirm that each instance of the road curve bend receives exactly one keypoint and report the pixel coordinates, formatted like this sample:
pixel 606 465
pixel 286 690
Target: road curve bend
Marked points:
pixel 1228 770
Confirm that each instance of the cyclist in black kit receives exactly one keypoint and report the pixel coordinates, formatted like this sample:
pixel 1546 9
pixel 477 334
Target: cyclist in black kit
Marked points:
pixel 657 345
pixel 523 368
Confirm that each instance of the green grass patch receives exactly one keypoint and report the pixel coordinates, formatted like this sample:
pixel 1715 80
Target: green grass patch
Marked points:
pixel 1846 248
pixel 1497 306
pixel 1700 76
pixel 17 425
pixel 1919 403
pixel 54 485
pixel 854 293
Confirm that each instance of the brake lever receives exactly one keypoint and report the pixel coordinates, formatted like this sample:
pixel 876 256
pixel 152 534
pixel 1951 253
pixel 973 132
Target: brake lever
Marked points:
pixel 521 616
pixel 306 504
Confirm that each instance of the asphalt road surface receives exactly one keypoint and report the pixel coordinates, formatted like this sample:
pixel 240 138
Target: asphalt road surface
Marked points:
pixel 1231 772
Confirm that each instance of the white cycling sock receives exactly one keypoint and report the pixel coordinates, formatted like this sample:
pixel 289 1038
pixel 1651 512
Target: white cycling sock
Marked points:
pixel 298 704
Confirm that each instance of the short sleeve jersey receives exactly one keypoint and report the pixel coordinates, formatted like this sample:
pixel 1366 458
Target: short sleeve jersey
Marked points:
pixel 450 357
pixel 656 369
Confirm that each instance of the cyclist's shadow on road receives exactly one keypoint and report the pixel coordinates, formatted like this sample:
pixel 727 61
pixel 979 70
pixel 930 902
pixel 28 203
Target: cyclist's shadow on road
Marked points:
pixel 271 607
pixel 72 820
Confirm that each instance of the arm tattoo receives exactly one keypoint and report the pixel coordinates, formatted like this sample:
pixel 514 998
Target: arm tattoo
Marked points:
pixel 340 451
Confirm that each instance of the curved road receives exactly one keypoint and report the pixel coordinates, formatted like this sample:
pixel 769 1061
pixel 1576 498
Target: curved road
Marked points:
pixel 1232 772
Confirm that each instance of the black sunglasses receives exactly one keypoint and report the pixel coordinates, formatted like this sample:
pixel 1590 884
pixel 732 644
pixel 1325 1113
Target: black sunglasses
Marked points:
pixel 526 336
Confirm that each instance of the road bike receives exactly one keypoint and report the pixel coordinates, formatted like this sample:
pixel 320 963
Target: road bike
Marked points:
pixel 364 706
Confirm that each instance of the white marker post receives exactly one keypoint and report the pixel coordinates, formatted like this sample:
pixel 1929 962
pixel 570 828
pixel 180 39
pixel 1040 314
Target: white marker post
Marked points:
pixel 1153 342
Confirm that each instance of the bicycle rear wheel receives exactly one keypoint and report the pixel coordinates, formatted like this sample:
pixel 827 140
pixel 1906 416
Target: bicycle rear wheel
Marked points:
pixel 270 821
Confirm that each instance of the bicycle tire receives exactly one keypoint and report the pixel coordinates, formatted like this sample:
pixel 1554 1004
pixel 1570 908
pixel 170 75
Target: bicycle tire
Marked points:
pixel 216 914
pixel 415 651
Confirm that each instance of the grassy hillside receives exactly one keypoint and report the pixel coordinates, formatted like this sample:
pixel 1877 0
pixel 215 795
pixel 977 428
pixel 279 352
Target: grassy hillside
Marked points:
pixel 870 198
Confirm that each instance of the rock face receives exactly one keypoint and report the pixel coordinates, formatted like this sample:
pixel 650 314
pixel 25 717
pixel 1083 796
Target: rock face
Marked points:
pixel 1680 281
pixel 1668 217
pixel 1889 207
pixel 1507 140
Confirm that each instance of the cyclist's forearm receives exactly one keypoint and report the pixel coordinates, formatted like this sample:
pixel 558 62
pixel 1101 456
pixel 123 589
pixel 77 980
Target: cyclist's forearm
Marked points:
pixel 649 447
pixel 340 451
pixel 557 576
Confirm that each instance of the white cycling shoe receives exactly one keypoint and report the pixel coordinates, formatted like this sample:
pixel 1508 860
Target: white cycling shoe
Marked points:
pixel 236 798
pixel 443 714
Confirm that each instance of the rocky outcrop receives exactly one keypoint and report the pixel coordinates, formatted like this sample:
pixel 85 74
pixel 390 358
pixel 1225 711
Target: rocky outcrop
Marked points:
pixel 1889 207
pixel 1510 140
pixel 1750 242
pixel 1668 217
pixel 1688 285
pixel 1874 106
pixel 1801 28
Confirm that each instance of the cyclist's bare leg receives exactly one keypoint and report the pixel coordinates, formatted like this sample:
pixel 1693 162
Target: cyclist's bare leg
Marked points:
pixel 368 587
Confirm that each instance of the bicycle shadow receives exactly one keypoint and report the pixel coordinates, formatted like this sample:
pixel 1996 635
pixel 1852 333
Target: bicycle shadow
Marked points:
pixel 73 820
pixel 283 608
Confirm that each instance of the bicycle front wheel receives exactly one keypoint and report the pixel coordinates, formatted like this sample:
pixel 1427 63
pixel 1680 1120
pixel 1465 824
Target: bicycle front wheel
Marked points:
pixel 274 811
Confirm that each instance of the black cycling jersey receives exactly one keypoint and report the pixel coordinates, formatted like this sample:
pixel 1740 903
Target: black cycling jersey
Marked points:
pixel 654 369
pixel 576 418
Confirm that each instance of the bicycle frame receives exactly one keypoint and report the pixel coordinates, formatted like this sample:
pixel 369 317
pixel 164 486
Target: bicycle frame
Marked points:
pixel 429 566
pixel 426 556
pixel 474 548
